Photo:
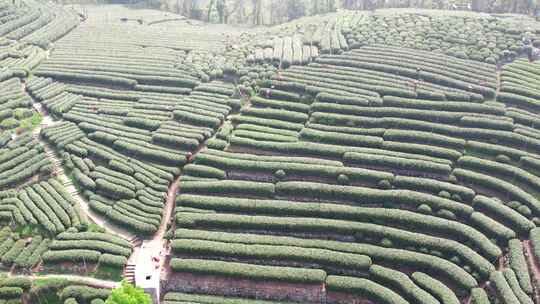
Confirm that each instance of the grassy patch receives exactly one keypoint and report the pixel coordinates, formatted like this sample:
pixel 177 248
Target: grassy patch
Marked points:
pixel 95 228
pixel 108 273
pixel 28 124
pixel 29 230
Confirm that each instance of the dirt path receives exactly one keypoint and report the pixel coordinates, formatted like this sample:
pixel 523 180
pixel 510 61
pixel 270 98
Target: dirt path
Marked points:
pixel 534 269
pixel 149 264
pixel 156 247
pixel 169 209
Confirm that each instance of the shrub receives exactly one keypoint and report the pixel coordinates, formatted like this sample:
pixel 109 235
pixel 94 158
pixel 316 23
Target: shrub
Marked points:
pixel 501 158
pixel 343 180
pixel 425 209
pixel 384 184
pixel 280 175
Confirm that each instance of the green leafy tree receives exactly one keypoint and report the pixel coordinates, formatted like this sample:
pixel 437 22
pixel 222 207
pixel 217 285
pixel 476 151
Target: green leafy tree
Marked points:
pixel 128 294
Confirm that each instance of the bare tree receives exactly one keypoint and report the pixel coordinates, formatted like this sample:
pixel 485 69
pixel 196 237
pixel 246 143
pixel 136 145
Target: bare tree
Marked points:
pixel 210 7
pixel 257 12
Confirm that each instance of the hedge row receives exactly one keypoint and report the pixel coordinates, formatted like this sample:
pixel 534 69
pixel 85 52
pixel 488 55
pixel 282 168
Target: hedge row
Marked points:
pixel 249 271
pixel 335 138
pixel 142 123
pixel 229 187
pixel 32 254
pixel 519 265
pixel 400 282
pixel 490 182
pixel 502 170
pixel 84 180
pixel 395 67
pixel 10 292
pixel 333 98
pixel 8 258
pixel 84 294
pixel 101 246
pixel 401 238
pixel 425 138
pixel 309 256
pixel 498 232
pixel 534 237
pixel 266 130
pixel 396 163
pixel 175 141
pixel 271 158
pixel 391 217
pixel 405 198
pixel 149 152
pixel 204 171
pixel 178 298
pixel 450 106
pixel 112 260
pixel 434 186
pixel 74 256
pixel 22 282
pixel 435 287
pixel 511 278
pixel 505 214
pixel 41 212
pixel 364 288
pixel 265 122
pixel 196 119
pixel 114 190
pixel 141 224
pixel 290 168
pixel 276 104
pixel 504 292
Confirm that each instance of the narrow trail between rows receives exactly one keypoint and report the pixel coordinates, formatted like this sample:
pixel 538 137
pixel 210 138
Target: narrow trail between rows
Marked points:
pixel 157 246
pixel 534 269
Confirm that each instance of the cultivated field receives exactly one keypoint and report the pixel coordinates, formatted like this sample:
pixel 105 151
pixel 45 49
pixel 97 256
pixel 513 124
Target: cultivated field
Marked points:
pixel 363 157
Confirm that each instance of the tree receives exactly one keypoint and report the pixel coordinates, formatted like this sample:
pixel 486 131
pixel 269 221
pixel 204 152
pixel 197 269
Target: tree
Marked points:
pixel 210 7
pixel 295 9
pixel 222 11
pixel 128 294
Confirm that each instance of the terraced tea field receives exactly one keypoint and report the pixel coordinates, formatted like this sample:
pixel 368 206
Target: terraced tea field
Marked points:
pixel 355 157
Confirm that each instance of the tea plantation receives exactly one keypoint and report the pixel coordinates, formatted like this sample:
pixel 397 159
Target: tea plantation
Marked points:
pixel 362 157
